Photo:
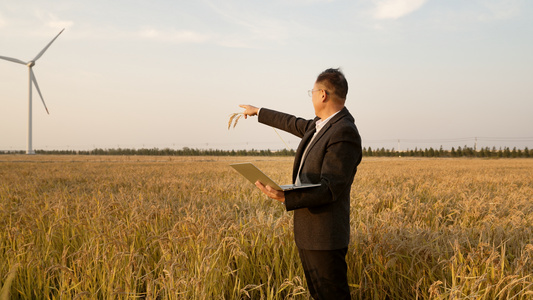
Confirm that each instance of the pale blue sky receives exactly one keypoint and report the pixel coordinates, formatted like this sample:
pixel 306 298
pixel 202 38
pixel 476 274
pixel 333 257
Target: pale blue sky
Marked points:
pixel 136 74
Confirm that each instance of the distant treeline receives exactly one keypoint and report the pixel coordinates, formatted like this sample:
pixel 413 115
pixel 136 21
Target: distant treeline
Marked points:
pixel 465 151
pixel 164 152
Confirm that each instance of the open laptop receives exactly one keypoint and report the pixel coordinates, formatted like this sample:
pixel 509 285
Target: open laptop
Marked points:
pixel 253 174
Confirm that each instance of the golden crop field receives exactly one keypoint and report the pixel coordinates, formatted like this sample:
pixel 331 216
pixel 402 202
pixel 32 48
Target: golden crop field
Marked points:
pixel 86 227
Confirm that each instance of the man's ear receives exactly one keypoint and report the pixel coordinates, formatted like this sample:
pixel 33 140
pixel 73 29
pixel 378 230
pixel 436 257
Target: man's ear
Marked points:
pixel 325 97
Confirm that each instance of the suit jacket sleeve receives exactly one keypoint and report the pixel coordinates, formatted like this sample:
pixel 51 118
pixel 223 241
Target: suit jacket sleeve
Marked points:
pixel 285 122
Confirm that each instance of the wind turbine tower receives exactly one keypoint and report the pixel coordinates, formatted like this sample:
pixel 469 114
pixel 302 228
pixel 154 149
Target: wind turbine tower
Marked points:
pixel 32 80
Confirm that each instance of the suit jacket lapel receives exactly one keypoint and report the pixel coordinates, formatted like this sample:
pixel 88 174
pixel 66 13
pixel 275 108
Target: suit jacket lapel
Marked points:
pixel 300 151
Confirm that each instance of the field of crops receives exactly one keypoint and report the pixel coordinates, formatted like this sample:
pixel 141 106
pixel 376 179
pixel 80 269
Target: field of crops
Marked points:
pixel 85 227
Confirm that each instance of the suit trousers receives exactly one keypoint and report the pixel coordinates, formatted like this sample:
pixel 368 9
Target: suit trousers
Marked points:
pixel 326 273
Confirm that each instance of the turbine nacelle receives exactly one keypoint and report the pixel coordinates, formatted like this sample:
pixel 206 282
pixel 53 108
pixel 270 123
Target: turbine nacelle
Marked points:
pixel 30 63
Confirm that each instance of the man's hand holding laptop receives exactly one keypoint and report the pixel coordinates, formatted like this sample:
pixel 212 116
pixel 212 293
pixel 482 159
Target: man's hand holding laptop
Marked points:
pixel 270 192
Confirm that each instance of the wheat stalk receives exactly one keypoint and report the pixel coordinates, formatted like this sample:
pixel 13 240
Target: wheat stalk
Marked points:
pixel 4 292
pixel 234 117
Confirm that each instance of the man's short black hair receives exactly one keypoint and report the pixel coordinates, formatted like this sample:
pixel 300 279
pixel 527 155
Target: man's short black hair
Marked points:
pixel 334 81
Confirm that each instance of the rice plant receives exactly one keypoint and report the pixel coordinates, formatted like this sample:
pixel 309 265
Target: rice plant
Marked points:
pixel 191 228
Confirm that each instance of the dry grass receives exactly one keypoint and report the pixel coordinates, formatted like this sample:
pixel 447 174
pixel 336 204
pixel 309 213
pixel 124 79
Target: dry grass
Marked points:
pixel 192 228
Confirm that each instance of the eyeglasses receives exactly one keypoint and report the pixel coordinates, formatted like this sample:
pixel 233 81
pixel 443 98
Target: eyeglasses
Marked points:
pixel 310 92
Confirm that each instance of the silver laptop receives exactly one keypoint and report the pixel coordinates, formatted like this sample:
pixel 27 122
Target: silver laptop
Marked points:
pixel 253 174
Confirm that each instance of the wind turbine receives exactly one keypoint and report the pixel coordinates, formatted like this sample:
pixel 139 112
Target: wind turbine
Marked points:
pixel 32 80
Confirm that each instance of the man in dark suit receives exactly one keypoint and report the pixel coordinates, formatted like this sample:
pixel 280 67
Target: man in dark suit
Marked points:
pixel 329 153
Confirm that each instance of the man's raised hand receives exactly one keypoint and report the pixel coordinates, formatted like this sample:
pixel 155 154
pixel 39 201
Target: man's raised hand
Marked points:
pixel 249 110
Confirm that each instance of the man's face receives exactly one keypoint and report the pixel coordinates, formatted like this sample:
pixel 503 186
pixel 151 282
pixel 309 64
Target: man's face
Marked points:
pixel 318 96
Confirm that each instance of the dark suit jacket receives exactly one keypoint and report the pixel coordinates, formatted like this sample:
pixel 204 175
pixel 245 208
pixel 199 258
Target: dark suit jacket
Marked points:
pixel 321 214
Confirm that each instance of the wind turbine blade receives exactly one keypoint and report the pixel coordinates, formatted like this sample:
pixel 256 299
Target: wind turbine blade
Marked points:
pixel 45 48
pixel 13 60
pixel 34 80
